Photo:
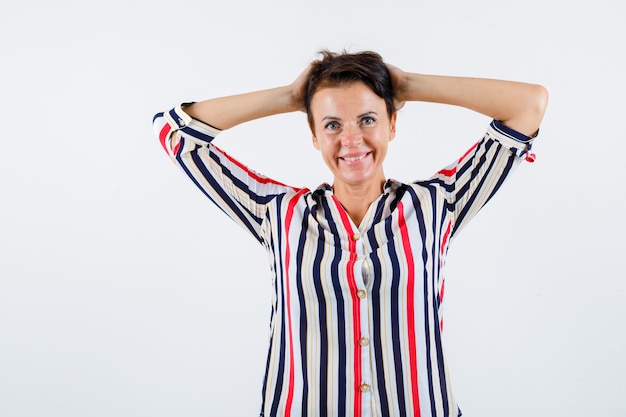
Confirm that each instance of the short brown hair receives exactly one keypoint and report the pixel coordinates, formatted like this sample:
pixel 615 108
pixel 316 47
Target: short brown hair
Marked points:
pixel 337 69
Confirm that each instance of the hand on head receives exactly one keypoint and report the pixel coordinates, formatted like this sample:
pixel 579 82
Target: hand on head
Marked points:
pixel 398 79
pixel 298 89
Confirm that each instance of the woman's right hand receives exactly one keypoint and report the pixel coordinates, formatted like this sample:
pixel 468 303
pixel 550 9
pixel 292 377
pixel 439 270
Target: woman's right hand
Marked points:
pixel 298 89
pixel 229 111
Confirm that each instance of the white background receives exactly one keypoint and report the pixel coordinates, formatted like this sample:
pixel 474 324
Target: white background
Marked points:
pixel 123 292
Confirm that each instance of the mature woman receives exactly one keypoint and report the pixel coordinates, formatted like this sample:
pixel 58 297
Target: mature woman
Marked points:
pixel 358 287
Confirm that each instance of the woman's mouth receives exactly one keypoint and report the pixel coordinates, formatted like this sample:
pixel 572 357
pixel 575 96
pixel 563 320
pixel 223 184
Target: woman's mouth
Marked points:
pixel 355 157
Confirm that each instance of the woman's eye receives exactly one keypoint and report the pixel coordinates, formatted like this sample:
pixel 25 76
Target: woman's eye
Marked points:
pixel 332 126
pixel 368 120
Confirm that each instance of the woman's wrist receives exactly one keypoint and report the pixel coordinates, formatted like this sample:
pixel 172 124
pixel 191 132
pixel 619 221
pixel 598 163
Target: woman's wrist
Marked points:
pixel 295 98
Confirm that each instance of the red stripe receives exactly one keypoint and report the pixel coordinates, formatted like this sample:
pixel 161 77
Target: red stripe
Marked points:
pixel 356 308
pixel 406 244
pixel 446 236
pixel 254 175
pixel 163 134
pixel 450 172
pixel 442 252
pixel 288 218
pixel 470 150
pixel 441 291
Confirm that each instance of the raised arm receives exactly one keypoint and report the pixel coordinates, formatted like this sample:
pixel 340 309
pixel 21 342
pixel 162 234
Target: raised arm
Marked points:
pixel 226 112
pixel 186 134
pixel 520 106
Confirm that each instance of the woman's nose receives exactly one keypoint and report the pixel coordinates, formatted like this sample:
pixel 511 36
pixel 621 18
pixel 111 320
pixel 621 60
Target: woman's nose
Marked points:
pixel 351 136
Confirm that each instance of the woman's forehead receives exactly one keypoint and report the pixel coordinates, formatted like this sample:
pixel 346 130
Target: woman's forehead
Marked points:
pixel 354 97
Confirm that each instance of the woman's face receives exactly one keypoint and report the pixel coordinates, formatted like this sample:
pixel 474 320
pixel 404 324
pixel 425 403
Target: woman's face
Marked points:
pixel 352 129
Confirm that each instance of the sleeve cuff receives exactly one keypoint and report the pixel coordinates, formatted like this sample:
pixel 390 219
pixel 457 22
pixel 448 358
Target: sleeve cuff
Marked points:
pixel 517 142
pixel 179 120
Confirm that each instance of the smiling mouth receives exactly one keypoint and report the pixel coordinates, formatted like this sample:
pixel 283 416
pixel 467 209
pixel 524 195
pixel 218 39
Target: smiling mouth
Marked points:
pixel 354 158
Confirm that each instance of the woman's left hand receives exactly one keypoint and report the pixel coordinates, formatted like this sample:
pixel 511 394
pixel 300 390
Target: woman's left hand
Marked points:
pixel 399 81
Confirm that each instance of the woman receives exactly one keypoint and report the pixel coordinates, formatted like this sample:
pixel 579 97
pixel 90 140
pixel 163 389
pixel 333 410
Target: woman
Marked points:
pixel 356 325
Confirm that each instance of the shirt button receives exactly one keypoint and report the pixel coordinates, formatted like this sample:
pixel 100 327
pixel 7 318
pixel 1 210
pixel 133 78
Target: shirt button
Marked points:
pixel 364 341
pixel 364 388
pixel 361 294
pixel 356 236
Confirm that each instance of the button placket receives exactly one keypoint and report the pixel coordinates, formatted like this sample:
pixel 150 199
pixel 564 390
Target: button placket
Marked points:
pixel 361 270
pixel 361 274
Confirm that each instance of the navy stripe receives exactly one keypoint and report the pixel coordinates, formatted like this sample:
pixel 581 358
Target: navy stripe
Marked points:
pixel 503 129
pixel 193 179
pixel 469 205
pixel 271 249
pixel 399 361
pixel 323 322
pixel 280 298
pixel 336 278
pixel 157 116
pixel 476 167
pixel 377 218
pixel 376 311
pixel 259 199
pixel 376 336
pixel 303 320
pixel 187 130
pixel 173 115
pixel 505 173
pixel 448 187
pixel 226 198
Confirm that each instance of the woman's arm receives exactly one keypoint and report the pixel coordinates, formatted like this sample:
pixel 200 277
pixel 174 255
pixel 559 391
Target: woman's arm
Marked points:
pixel 520 106
pixel 238 191
pixel 226 112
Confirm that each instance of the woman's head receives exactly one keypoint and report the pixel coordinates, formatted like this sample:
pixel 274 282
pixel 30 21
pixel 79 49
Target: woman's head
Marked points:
pixel 350 107
pixel 342 69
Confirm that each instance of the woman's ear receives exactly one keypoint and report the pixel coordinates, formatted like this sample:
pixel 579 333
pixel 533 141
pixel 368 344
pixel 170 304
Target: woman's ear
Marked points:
pixel 392 126
pixel 316 143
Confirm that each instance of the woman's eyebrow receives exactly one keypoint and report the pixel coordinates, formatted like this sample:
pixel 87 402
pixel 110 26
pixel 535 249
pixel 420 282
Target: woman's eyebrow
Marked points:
pixel 367 113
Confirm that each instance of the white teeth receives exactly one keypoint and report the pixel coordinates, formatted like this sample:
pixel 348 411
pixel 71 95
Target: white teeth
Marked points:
pixel 354 158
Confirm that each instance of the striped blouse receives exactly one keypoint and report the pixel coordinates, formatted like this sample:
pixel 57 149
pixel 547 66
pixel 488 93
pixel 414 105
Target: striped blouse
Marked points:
pixel 356 325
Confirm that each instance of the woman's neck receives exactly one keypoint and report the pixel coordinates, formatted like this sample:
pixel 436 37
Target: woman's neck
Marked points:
pixel 356 199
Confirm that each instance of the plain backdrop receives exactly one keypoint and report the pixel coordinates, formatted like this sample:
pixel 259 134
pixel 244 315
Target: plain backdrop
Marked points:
pixel 124 292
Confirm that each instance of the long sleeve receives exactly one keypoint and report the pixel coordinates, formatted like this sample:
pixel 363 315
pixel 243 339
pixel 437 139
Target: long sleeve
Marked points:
pixel 238 191
pixel 473 179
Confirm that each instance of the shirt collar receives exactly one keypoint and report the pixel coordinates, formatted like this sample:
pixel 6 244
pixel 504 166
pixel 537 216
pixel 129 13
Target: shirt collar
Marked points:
pixel 389 186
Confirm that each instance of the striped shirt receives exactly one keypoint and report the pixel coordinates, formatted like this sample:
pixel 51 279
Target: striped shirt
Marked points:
pixel 356 324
